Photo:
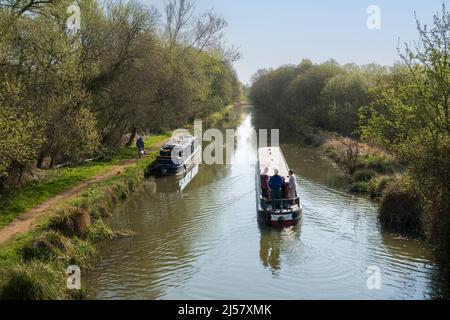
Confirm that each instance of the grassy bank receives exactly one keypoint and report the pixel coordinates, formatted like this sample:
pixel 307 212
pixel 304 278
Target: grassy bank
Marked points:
pixel 54 181
pixel 380 175
pixel 369 168
pixel 33 265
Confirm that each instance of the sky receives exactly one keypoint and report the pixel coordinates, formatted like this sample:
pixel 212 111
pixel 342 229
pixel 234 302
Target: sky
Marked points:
pixel 271 33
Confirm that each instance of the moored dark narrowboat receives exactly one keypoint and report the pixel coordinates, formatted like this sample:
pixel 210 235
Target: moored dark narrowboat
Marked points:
pixel 178 156
pixel 281 212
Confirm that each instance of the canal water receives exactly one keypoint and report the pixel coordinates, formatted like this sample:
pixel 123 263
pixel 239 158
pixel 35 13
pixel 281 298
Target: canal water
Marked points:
pixel 204 241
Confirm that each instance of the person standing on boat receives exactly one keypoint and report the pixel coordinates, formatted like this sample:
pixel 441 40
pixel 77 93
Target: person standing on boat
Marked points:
pixel 140 144
pixel 292 187
pixel 276 185
pixel 265 183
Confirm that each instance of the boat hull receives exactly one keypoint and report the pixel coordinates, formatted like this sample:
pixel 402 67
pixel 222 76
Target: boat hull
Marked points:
pixel 280 220
pixel 171 169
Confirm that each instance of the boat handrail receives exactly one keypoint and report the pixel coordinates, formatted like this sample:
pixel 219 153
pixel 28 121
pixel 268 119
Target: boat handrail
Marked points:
pixel 284 199
pixel 285 203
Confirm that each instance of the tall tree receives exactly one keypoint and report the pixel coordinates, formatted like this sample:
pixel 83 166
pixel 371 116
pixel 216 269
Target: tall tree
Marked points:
pixel 411 117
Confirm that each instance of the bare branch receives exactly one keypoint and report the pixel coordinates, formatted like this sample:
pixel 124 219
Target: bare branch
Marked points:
pixel 20 7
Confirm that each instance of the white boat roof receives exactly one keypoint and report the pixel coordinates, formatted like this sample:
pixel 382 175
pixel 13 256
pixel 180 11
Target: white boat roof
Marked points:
pixel 272 158
pixel 179 141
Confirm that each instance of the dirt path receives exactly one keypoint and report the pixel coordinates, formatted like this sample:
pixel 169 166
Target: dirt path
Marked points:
pixel 27 220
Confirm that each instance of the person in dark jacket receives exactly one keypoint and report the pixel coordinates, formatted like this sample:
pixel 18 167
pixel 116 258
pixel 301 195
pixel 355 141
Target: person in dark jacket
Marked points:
pixel 140 144
pixel 276 184
pixel 265 183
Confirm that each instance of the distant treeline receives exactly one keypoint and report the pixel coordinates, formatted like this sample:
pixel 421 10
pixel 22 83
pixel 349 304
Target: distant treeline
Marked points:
pixel 66 94
pixel 327 95
pixel 404 109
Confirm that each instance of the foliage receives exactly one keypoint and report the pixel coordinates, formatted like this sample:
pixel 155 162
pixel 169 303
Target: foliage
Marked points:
pixel 67 96
pixel 410 116
pixel 344 94
pixel 48 246
pixel 33 266
pixel 324 95
pixel 378 184
pixel 401 207
pixel 345 152
pixel 33 281
pixel 55 181
pixel 72 222
pixel 20 140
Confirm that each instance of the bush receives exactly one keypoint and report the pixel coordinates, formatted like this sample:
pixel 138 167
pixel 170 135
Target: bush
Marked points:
pixel 32 281
pixel 359 187
pixel 381 163
pixel 401 208
pixel 363 175
pixel 48 246
pixel 71 222
pixel 100 231
pixel 378 184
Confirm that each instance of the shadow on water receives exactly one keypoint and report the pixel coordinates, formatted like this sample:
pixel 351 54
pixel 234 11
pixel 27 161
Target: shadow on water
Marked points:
pixel 204 241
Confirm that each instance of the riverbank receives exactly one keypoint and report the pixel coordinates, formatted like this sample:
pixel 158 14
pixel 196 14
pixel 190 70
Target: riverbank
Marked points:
pixel 34 261
pixel 205 242
pixel 377 173
pixel 370 168
pixel 48 183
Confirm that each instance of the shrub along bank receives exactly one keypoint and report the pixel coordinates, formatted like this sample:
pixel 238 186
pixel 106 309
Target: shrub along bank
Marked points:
pixel 33 265
pixel 377 173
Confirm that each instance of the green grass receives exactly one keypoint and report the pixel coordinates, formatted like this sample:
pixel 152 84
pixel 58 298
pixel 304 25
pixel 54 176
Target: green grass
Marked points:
pixel 131 152
pixel 59 180
pixel 380 163
pixel 33 281
pixel 359 187
pixel 374 168
pixel 50 247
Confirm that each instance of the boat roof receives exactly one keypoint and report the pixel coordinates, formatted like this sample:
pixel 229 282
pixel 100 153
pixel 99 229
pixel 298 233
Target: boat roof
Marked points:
pixel 179 142
pixel 272 158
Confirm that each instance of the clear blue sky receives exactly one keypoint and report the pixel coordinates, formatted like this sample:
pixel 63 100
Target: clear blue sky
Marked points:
pixel 271 33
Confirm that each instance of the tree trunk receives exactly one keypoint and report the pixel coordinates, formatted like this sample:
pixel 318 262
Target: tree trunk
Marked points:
pixel 52 162
pixel 133 135
pixel 40 161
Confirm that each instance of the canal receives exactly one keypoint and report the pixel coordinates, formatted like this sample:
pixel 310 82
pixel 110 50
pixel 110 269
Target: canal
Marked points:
pixel 204 242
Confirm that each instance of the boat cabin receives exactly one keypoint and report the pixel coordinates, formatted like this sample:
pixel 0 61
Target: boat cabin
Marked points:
pixel 176 156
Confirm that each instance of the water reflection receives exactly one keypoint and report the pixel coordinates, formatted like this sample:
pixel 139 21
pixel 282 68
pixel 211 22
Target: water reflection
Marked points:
pixel 203 241
pixel 172 185
pixel 269 251
pixel 274 243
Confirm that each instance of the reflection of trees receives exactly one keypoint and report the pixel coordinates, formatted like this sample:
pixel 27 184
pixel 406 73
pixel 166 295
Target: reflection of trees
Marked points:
pixel 262 120
pixel 209 174
pixel 440 280
pixel 439 276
